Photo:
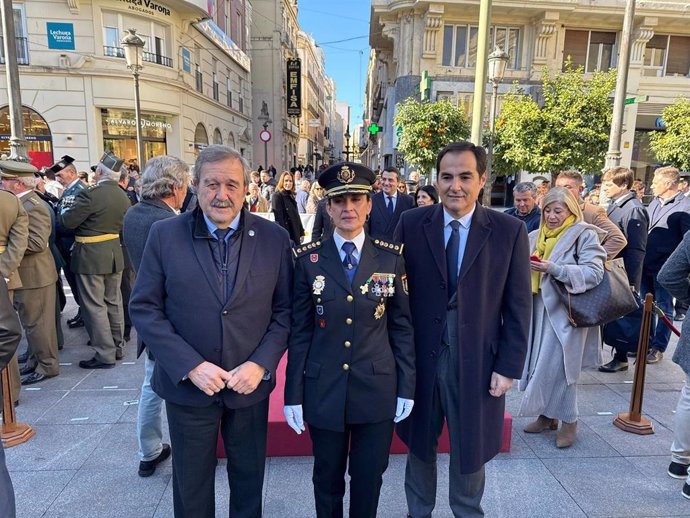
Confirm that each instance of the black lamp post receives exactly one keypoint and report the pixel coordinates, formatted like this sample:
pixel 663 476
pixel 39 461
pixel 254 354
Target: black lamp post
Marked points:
pixel 134 50
pixel 347 144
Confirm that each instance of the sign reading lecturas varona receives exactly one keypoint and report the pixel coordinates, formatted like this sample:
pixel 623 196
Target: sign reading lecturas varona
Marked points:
pixel 147 7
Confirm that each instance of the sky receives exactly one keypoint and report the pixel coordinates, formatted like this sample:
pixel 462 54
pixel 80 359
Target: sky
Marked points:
pixel 329 22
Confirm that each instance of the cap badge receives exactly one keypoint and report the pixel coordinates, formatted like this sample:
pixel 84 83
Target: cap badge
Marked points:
pixel 319 284
pixel 346 175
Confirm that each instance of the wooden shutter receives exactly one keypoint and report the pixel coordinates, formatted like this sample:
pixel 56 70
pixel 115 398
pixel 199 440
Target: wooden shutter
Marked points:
pixel 575 46
pixel 678 56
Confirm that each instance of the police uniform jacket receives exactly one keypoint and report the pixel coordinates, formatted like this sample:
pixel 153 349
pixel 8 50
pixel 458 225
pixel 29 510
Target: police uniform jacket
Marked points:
pixel 97 211
pixel 37 268
pixel 631 217
pixel 14 235
pixel 351 350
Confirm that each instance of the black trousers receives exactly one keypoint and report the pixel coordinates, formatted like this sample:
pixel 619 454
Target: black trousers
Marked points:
pixel 193 434
pixel 367 446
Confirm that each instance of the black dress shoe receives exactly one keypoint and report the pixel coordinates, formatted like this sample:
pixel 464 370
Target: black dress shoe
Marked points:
pixel 27 369
pixel 614 365
pixel 75 317
pixel 23 358
pixel 93 363
pixel 34 377
pixel 148 467
pixel 76 323
pixel 119 355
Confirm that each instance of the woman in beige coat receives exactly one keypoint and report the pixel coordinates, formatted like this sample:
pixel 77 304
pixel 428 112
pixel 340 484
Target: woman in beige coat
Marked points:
pixel 567 250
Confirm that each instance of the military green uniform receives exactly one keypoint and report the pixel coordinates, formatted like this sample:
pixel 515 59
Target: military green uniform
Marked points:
pixel 35 300
pixel 14 237
pixel 97 261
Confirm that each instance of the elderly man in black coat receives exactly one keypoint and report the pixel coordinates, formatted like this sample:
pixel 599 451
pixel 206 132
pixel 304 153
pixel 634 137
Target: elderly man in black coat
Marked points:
pixel 469 283
pixel 163 191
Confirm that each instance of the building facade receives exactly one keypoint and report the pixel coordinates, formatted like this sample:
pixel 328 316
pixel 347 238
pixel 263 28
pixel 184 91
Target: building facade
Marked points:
pixel 439 39
pixel 274 42
pixel 78 94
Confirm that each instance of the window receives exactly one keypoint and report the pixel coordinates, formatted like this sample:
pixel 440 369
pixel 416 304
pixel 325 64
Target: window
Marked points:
pixel 678 62
pixel 199 79
pixel 20 37
pixel 228 91
pixel 460 45
pixel 157 38
pixel 655 56
pixel 216 88
pixel 592 50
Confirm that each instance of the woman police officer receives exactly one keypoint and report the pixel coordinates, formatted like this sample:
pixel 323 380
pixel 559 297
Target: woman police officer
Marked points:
pixel 350 372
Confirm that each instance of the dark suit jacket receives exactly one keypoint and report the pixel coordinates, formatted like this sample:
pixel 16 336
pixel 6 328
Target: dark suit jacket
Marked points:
pixel 379 351
pixel 323 227
pixel 177 308
pixel 668 224
pixel 631 217
pixel 381 225
pixel 96 211
pixel 138 222
pixel 494 306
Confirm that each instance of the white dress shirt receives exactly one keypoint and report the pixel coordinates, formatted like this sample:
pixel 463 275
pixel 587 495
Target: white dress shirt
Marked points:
pixel 358 241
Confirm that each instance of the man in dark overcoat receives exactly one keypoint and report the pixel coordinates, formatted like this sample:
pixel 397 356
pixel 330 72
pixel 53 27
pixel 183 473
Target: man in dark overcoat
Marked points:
pixel 387 206
pixel 626 211
pixel 212 301
pixel 469 284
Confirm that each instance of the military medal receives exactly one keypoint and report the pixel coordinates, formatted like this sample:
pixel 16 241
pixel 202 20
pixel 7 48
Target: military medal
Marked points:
pixel 378 313
pixel 364 288
pixel 319 284
pixel 403 279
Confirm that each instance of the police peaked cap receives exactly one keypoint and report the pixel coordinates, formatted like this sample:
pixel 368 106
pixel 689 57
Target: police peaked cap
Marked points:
pixel 347 178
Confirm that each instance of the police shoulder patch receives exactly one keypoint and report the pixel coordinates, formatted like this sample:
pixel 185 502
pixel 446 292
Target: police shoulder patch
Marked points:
pixel 394 248
pixel 308 248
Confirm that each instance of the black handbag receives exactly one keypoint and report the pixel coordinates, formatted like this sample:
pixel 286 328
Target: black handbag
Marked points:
pixel 611 299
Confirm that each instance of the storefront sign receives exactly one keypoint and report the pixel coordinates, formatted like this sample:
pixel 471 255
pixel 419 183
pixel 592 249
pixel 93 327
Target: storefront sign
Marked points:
pixel 214 33
pixel 147 7
pixel 145 123
pixel 60 36
pixel 123 123
pixel 294 81
pixel 186 60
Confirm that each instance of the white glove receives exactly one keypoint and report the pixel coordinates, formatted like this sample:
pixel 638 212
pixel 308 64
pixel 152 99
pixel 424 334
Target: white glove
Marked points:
pixel 293 416
pixel 403 409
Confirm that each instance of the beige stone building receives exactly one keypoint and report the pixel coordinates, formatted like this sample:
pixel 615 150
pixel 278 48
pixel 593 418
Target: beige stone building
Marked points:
pixel 410 38
pixel 78 95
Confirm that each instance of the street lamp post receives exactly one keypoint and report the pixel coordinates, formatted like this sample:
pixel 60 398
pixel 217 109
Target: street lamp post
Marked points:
pixel 498 62
pixel 347 144
pixel 17 142
pixel 265 125
pixel 134 50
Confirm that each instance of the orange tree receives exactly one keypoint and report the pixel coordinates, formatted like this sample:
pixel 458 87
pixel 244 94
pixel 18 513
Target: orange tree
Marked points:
pixel 428 127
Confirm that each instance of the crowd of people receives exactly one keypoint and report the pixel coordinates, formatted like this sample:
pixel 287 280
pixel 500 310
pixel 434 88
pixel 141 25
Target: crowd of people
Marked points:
pixel 384 313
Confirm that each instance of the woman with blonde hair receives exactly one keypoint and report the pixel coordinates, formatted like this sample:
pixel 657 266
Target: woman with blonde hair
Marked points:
pixel 316 194
pixel 565 250
pixel 284 207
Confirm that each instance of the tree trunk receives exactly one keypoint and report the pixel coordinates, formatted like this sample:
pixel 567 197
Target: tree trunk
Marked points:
pixel 486 199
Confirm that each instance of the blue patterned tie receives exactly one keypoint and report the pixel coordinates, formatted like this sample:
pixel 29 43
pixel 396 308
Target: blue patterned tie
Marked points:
pixel 350 262
pixel 390 207
pixel 452 250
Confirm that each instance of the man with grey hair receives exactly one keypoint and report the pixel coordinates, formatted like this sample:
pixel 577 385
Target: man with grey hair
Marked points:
pixel 212 301
pixel 35 298
pixel 526 208
pixel 163 190
pixel 97 260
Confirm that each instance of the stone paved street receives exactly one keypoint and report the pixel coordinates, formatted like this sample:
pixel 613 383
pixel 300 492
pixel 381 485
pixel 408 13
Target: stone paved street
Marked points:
pixel 83 460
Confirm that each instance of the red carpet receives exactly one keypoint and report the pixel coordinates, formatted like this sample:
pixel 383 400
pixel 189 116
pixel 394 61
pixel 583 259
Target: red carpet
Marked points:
pixel 284 442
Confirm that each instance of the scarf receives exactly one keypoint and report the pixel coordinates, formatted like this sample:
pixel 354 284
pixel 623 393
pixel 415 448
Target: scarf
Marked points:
pixel 546 241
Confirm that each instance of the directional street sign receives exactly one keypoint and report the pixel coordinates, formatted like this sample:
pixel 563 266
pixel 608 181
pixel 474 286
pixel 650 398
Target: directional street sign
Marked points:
pixel 638 99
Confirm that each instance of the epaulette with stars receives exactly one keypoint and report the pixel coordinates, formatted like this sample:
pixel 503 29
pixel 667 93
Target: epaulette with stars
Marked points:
pixel 299 251
pixel 390 247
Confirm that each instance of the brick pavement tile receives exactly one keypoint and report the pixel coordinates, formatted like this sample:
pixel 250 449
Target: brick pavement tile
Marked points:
pixel 109 493
pixel 613 487
pixel 588 444
pixel 35 491
pixel 629 444
pixel 123 376
pixel 89 407
pixel 593 399
pixel 34 403
pixel 56 447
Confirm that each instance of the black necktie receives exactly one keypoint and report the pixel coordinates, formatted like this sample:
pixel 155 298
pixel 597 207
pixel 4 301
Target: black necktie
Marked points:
pixel 220 233
pixel 350 262
pixel 452 250
pixel 390 206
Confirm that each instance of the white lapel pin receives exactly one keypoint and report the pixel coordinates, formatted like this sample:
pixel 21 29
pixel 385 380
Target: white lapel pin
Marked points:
pixel 251 233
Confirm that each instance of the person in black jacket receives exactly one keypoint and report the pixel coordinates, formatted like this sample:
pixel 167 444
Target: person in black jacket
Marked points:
pixel 626 211
pixel 350 371
pixel 284 208
pixel 387 206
